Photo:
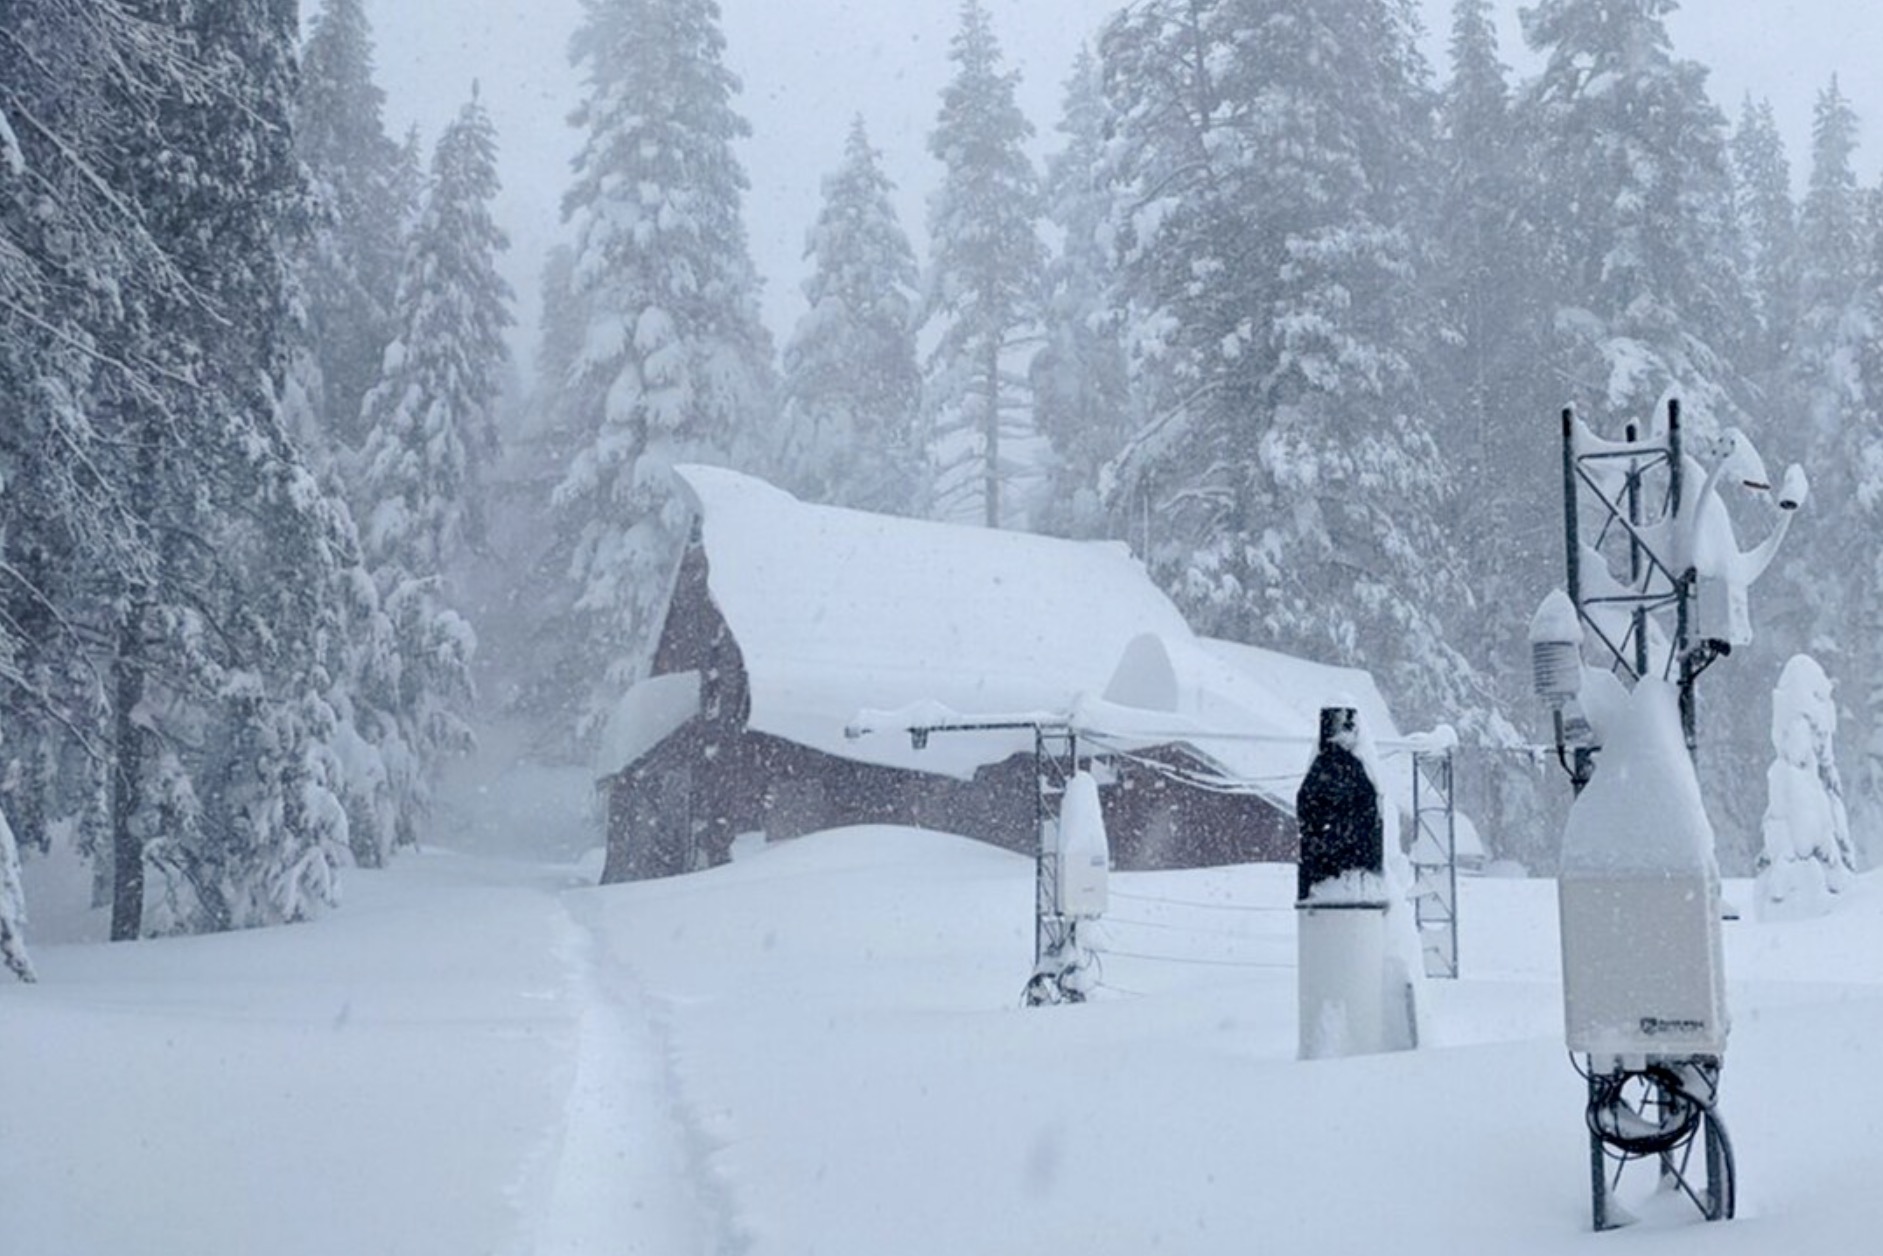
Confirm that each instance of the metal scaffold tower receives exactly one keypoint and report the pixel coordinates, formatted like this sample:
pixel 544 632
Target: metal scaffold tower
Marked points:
pixel 1434 859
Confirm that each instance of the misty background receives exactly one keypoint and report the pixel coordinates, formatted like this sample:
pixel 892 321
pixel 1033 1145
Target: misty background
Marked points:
pixel 809 66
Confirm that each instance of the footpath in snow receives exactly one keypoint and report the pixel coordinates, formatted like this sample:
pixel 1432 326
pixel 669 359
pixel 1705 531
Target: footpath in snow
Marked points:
pixel 819 1048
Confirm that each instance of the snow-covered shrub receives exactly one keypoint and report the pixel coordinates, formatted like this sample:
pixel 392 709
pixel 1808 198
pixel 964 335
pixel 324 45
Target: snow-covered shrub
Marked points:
pixel 1807 855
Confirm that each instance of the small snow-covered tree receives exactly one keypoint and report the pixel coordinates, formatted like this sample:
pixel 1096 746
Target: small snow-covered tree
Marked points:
pixel 674 364
pixel 851 385
pixel 1808 854
pixel 984 285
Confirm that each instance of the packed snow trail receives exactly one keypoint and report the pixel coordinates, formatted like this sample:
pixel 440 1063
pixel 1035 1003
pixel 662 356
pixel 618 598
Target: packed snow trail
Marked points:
pixel 631 1171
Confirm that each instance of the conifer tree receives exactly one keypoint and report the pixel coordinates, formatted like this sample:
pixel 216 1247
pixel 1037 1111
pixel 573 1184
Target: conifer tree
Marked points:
pixel 1266 154
pixel 1079 377
pixel 1495 407
pixel 362 182
pixel 1638 237
pixel 851 383
pixel 674 365
pixel 1837 370
pixel 247 616
pixel 186 557
pixel 1854 531
pixel 76 271
pixel 1768 219
pixel 430 431
pixel 984 286
pixel 1832 256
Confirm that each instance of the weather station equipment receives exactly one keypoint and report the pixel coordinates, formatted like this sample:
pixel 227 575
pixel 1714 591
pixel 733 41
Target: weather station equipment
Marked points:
pixel 1071 856
pixel 1657 592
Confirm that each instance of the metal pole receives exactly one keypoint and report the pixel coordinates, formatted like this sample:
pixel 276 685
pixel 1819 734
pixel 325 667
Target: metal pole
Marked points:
pixel 1571 533
pixel 1683 593
pixel 1042 878
pixel 1633 432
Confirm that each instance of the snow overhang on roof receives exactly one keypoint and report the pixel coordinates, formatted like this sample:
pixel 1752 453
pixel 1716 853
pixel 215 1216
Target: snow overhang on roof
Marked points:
pixel 647 715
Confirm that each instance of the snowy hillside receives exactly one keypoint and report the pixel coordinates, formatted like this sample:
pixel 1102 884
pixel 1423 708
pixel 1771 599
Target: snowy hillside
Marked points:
pixel 818 1049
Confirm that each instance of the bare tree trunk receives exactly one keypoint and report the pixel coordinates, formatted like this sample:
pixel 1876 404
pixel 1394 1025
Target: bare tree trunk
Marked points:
pixel 127 848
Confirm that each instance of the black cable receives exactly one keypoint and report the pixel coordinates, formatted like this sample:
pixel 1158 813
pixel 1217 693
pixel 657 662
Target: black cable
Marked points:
pixel 1627 1128
pixel 1196 903
pixel 1683 1095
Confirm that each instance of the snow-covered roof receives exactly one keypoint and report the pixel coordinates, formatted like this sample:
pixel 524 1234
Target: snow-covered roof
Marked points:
pixel 837 611
pixel 842 614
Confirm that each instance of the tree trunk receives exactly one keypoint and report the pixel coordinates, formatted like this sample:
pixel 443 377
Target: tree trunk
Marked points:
pixel 990 489
pixel 127 848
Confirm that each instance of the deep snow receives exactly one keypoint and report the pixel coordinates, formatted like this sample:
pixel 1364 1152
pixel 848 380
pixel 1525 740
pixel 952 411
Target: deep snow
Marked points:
pixel 819 1048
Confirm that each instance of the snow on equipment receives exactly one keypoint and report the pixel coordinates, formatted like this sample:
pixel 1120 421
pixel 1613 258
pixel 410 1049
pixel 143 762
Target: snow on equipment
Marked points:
pixel 1808 858
pixel 1348 1005
pixel 1084 854
pixel 1658 592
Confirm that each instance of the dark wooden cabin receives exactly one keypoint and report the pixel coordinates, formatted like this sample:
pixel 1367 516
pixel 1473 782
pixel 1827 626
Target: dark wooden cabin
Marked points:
pixel 690 768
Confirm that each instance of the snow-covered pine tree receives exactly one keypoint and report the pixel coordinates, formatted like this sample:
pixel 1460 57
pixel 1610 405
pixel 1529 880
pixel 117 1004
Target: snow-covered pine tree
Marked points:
pixel 1632 191
pixel 430 430
pixel 1839 369
pixel 1486 289
pixel 1266 155
pixel 1080 380
pixel 1768 221
pixel 1495 408
pixel 1832 252
pixel 75 269
pixel 851 385
pixel 172 546
pixel 349 262
pixel 224 653
pixel 674 365
pixel 984 287
pixel 1814 375
pixel 430 419
pixel 1863 665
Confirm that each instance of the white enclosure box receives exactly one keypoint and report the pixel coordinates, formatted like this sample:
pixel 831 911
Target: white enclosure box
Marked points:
pixel 1084 864
pixel 1642 970
pixel 1722 611
pixel 1639 892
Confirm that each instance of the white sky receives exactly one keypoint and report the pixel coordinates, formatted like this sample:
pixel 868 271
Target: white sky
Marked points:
pixel 809 65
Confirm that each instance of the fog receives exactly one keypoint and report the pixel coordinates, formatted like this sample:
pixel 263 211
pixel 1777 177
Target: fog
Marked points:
pixel 810 65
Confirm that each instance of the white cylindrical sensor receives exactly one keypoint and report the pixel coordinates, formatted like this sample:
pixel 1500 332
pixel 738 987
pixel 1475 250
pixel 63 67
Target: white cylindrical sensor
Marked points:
pixel 1341 956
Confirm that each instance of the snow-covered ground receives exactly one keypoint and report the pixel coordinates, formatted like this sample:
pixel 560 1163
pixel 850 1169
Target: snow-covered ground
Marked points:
pixel 819 1048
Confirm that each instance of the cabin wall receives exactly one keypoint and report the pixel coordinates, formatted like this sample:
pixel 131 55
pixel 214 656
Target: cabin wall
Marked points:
pixel 679 808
